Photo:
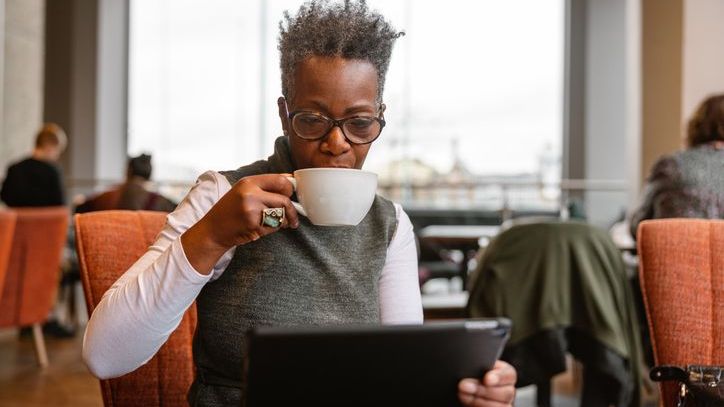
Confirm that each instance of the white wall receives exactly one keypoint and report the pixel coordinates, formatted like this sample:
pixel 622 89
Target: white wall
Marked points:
pixel 21 73
pixel 112 89
pixel 87 88
pixel 82 95
pixel 98 96
pixel 703 53
pixel 612 103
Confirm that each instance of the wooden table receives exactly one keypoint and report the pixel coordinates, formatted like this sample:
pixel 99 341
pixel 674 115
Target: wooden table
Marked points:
pixel 466 238
pixel 444 306
pixel 457 235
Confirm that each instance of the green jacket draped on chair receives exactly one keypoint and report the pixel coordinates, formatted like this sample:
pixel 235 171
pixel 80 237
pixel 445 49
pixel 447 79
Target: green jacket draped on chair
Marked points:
pixel 563 284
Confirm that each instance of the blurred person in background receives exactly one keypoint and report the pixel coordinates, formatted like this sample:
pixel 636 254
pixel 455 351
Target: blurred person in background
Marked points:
pixel 133 194
pixel 37 180
pixel 689 183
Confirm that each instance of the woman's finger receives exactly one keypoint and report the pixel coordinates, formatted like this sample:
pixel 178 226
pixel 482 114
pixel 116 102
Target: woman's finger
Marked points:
pixel 503 394
pixel 468 386
pixel 252 236
pixel 502 374
pixel 472 387
pixel 472 401
pixel 277 183
pixel 273 200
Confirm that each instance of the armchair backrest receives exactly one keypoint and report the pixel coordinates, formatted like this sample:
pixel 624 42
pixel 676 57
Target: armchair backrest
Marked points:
pixel 7 229
pixel 33 271
pixel 108 243
pixel 682 279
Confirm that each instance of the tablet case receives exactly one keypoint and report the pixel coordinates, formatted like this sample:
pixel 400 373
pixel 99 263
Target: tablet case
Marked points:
pixel 394 365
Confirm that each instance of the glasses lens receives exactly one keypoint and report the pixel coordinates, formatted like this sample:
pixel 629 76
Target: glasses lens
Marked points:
pixel 309 125
pixel 358 130
pixel 362 129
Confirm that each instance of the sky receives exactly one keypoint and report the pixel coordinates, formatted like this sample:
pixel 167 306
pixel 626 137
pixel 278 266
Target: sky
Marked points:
pixel 478 79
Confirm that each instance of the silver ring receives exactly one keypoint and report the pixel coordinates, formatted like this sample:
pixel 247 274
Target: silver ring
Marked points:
pixel 272 217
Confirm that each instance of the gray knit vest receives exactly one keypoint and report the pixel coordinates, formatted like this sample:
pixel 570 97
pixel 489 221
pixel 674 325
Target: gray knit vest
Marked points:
pixel 313 275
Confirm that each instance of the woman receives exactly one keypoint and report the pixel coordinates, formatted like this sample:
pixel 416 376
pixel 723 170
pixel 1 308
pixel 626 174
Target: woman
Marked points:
pixel 690 183
pixel 219 249
pixel 133 194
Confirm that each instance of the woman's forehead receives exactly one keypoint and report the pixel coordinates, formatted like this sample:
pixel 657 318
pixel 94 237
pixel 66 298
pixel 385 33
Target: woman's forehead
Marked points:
pixel 332 80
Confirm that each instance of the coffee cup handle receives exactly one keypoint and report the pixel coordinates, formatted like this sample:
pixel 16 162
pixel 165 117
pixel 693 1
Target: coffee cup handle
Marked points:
pixel 297 205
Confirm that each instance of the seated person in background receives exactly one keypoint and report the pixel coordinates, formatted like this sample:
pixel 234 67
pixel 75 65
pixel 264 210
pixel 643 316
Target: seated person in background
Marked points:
pixel 132 194
pixel 37 180
pixel 217 250
pixel 690 183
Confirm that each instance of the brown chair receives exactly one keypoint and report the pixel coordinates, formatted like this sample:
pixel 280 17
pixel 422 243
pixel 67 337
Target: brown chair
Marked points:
pixel 682 279
pixel 7 229
pixel 33 271
pixel 108 243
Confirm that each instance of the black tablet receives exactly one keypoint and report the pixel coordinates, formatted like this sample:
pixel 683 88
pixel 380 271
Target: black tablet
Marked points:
pixel 392 365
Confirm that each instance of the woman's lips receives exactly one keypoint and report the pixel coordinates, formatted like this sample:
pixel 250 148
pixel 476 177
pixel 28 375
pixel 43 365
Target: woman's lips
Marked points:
pixel 333 165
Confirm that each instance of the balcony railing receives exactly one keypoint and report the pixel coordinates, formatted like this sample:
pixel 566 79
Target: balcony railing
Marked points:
pixel 500 195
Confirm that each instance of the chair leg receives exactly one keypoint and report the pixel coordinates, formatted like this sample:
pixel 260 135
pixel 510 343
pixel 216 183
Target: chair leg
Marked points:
pixel 595 392
pixel 40 352
pixel 543 394
pixel 72 311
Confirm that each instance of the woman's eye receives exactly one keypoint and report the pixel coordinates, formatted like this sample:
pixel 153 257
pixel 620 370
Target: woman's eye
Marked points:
pixel 361 122
pixel 311 120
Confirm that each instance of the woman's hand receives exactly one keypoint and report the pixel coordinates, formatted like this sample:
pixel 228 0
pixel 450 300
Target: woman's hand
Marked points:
pixel 236 219
pixel 496 389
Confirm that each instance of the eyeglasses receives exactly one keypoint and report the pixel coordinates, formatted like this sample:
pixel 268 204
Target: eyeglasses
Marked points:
pixel 356 129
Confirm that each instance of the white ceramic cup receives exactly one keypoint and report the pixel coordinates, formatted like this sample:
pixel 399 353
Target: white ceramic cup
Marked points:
pixel 334 196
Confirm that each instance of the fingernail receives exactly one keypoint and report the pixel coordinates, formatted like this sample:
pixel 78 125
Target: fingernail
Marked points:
pixel 468 386
pixel 492 379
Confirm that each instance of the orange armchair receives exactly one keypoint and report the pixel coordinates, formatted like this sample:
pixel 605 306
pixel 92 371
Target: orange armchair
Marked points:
pixel 108 243
pixel 682 279
pixel 7 229
pixel 33 271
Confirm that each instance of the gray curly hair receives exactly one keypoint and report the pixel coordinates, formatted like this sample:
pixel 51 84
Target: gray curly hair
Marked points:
pixel 349 30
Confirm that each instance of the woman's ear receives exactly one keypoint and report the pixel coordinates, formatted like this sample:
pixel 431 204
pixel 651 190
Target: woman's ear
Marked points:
pixel 283 114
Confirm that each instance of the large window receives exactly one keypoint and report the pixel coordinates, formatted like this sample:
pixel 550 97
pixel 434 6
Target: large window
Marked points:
pixel 474 94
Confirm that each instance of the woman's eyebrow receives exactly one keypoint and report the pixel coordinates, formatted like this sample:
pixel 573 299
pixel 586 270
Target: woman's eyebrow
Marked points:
pixel 356 107
pixel 359 107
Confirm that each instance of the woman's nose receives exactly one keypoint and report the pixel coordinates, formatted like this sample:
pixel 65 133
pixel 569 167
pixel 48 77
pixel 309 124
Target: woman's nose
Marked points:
pixel 335 143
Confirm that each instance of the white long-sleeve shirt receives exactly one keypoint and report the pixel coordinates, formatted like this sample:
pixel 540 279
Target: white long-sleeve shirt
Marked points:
pixel 138 313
